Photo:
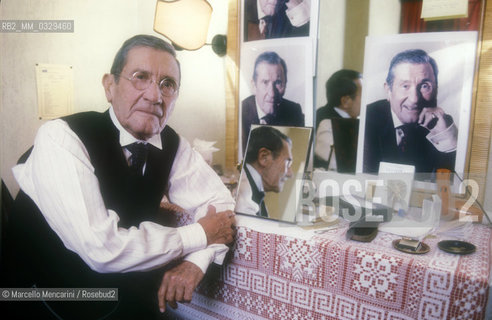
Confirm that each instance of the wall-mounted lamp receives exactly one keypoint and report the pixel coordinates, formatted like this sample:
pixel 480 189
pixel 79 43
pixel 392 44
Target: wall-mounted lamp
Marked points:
pixel 185 23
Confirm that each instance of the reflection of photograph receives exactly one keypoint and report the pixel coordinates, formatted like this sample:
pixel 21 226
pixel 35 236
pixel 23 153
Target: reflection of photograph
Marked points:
pixel 269 19
pixel 279 88
pixel 413 122
pixel 267 185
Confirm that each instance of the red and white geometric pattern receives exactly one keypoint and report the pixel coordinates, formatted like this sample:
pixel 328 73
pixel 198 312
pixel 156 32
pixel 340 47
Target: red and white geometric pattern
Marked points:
pixel 381 284
pixel 279 277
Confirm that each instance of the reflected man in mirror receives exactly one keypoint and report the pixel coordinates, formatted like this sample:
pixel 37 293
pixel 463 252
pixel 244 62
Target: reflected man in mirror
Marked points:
pixel 267 105
pixel 409 127
pixel 267 166
pixel 343 93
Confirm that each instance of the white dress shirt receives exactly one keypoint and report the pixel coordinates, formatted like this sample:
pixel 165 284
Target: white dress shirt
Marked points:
pixel 59 177
pixel 262 113
pixel 244 201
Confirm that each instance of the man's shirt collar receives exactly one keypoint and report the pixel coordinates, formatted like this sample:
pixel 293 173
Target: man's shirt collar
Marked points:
pixel 256 177
pixel 396 120
pixel 341 112
pixel 126 138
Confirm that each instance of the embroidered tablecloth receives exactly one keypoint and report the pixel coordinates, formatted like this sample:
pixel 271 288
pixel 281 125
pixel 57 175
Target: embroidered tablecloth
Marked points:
pixel 278 276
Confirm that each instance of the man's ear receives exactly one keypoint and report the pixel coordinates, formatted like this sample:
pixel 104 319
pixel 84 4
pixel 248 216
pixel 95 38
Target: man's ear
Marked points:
pixel 108 81
pixel 264 157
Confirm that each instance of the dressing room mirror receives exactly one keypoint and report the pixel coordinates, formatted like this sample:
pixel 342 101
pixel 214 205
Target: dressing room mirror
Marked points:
pixel 274 163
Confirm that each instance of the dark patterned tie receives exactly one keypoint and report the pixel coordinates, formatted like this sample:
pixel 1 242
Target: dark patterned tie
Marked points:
pixel 268 118
pixel 138 158
pixel 263 209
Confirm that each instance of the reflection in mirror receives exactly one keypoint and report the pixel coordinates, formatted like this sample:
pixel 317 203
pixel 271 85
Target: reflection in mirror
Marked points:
pixel 343 92
pixel 345 50
pixel 275 158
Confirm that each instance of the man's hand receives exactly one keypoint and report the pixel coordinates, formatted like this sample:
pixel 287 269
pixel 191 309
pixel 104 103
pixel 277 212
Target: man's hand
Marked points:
pixel 218 226
pixel 435 119
pixel 178 284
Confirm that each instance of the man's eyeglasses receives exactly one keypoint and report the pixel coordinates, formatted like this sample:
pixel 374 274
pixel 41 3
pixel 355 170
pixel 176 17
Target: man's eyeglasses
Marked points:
pixel 141 80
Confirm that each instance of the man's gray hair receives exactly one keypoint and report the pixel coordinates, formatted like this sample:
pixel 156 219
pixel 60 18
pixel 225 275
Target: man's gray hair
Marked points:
pixel 413 56
pixel 265 137
pixel 140 40
pixel 270 57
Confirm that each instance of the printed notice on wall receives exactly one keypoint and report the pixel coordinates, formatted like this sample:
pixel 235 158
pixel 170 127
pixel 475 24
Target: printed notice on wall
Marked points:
pixel 55 90
pixel 444 9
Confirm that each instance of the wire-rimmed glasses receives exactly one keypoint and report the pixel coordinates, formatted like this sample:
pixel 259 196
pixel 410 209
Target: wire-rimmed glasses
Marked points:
pixel 141 80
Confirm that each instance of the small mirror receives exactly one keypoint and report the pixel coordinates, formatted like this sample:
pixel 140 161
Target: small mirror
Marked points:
pixel 274 160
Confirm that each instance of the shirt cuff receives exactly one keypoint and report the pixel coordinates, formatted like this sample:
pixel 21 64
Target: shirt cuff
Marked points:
pixel 445 141
pixel 299 15
pixel 201 258
pixel 193 237
pixel 220 252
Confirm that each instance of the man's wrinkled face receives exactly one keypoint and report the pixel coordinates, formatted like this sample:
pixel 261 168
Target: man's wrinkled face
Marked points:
pixel 268 6
pixel 143 113
pixel 269 86
pixel 278 170
pixel 414 88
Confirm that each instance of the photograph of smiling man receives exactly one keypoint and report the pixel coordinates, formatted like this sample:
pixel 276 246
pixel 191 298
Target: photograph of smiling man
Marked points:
pixel 417 98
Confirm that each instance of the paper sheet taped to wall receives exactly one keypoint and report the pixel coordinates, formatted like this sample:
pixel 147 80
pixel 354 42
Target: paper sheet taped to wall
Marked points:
pixel 444 9
pixel 55 90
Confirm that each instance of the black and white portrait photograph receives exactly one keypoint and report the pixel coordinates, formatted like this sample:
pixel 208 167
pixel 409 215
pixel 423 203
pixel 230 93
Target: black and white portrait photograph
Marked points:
pixel 275 85
pixel 416 101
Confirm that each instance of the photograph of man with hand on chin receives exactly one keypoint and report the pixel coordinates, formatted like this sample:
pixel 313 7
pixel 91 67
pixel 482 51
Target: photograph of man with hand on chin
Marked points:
pixel 413 122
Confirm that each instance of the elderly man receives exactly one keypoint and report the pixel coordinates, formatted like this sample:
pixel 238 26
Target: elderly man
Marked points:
pixel 343 93
pixel 267 105
pixel 409 127
pixel 87 215
pixel 267 166
pixel 268 19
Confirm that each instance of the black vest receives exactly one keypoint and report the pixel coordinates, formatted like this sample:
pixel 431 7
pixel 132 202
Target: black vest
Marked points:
pixel 35 255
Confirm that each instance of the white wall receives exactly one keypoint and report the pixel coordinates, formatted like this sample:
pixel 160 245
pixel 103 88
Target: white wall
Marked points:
pixel 330 45
pixel 100 27
pixel 384 17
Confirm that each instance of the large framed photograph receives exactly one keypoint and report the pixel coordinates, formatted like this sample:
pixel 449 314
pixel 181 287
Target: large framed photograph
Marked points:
pixel 416 101
pixel 276 86
pixel 276 156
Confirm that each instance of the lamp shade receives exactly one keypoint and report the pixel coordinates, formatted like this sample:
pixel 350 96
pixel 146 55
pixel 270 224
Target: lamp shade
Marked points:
pixel 184 22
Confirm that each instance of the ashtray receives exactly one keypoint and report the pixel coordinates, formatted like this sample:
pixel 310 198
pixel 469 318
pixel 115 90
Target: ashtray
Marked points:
pixel 421 249
pixel 456 246
pixel 362 234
